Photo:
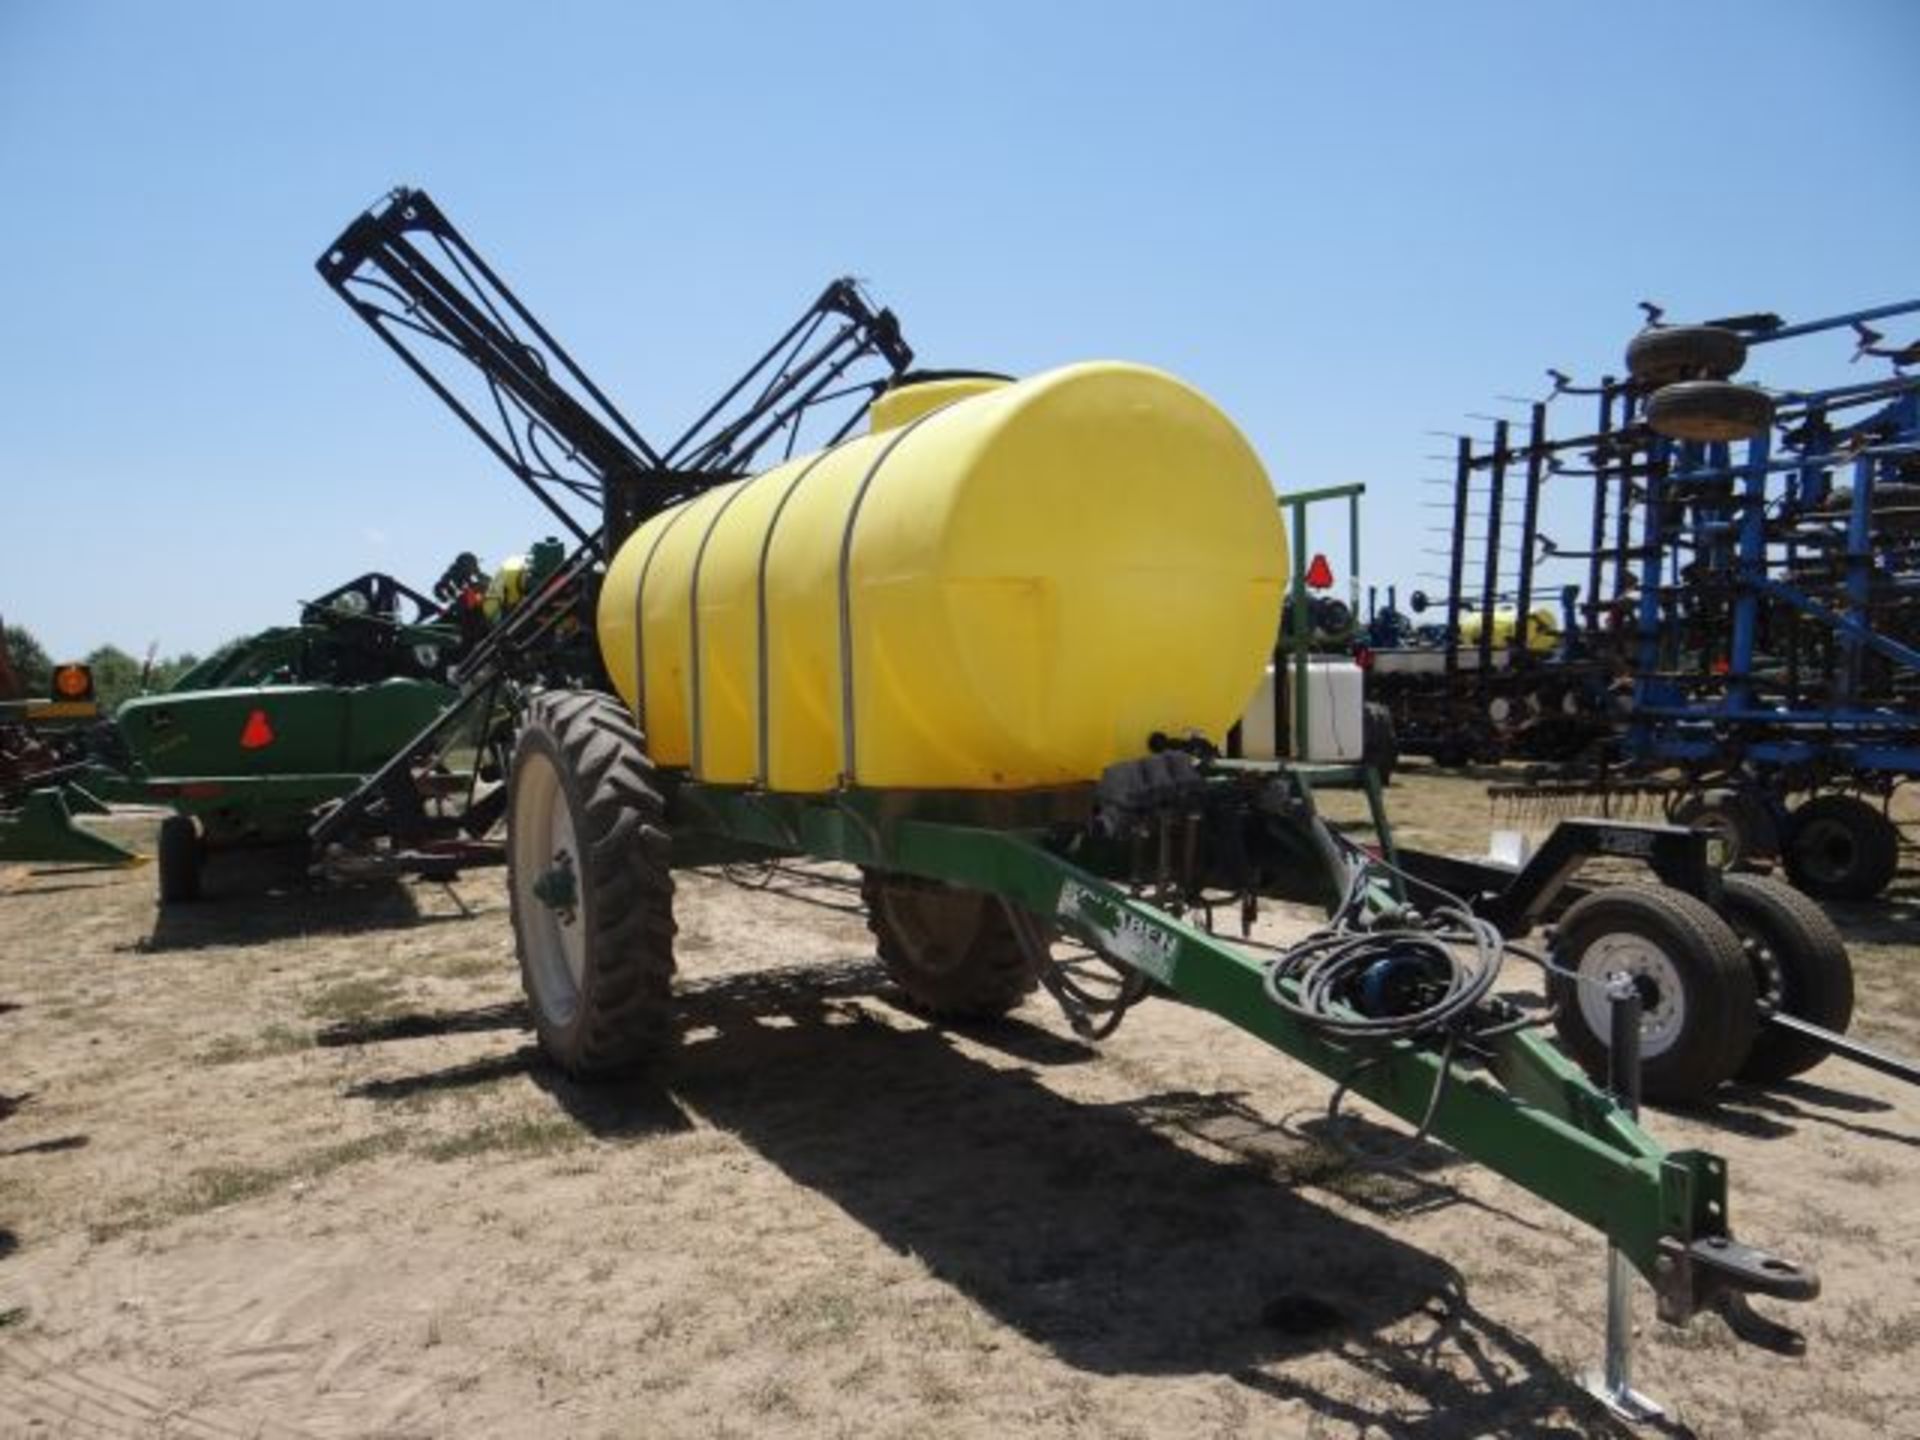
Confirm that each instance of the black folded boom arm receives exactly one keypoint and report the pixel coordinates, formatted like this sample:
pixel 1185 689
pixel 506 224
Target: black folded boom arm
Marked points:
pixel 408 272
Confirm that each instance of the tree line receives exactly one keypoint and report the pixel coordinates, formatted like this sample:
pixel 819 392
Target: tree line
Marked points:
pixel 117 675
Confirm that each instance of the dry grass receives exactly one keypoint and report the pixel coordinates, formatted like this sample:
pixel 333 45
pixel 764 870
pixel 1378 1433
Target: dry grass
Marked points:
pixel 518 1135
pixel 363 998
pixel 357 1205
pixel 274 1039
pixel 214 1187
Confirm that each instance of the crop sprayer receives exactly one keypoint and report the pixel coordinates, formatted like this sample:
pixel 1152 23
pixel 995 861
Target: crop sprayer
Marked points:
pixel 982 651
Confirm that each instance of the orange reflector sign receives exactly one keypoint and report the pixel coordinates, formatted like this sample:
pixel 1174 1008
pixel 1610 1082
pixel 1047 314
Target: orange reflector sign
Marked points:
pixel 72 682
pixel 257 733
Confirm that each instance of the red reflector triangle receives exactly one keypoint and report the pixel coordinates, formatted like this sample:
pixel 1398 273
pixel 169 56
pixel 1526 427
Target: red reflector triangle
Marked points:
pixel 1319 573
pixel 257 733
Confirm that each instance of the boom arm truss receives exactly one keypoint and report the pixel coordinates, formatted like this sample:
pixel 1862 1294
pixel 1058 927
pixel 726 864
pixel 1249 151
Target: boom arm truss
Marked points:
pixel 406 270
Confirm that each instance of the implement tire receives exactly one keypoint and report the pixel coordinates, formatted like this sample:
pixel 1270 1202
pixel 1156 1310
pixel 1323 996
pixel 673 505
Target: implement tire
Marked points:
pixel 1740 828
pixel 589 884
pixel 1661 354
pixel 182 856
pixel 1841 848
pixel 1709 410
pixel 1800 967
pixel 953 951
pixel 1697 988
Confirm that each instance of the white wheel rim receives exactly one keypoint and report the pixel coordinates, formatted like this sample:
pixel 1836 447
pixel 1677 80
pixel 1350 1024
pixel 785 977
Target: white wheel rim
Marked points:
pixel 552 938
pixel 1663 1002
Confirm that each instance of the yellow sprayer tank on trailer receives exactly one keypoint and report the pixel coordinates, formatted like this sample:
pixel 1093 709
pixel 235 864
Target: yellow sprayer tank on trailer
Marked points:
pixel 1543 628
pixel 1003 585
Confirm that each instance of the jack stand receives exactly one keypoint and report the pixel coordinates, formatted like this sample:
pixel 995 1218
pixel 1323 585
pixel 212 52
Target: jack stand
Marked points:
pixel 1613 1387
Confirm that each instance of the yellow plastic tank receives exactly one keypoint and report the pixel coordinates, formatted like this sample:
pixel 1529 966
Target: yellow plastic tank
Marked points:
pixel 506 589
pixel 1543 628
pixel 1003 585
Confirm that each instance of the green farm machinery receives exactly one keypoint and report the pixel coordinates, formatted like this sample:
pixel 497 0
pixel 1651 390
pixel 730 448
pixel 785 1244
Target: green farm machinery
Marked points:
pixel 249 744
pixel 972 662
pixel 44 749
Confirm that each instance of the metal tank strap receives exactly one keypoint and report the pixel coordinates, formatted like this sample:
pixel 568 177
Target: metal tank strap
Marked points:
pixel 640 618
pixel 693 609
pixel 849 773
pixel 762 765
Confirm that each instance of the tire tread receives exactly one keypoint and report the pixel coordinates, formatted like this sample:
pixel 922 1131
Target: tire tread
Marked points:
pixel 625 1014
pixel 1704 949
pixel 991 978
pixel 1817 979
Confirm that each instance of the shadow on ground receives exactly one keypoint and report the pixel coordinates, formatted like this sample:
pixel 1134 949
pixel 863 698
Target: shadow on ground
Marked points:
pixel 419 1024
pixel 1890 918
pixel 28 892
pixel 1784 1106
pixel 1099 1230
pixel 54 1146
pixel 284 906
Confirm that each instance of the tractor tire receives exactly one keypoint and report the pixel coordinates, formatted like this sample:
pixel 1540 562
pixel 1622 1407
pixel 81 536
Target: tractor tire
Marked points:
pixel 1661 355
pixel 1697 988
pixel 182 857
pixel 953 951
pixel 1380 741
pixel 589 885
pixel 1709 410
pixel 1739 826
pixel 1800 966
pixel 1841 848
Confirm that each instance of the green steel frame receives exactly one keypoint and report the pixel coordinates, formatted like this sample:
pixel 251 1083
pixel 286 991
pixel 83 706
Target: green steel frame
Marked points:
pixel 1296 637
pixel 40 831
pixel 36 824
pixel 1514 1104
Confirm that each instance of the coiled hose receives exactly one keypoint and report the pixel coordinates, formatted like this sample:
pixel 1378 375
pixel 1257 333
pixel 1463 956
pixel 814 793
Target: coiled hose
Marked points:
pixel 1403 982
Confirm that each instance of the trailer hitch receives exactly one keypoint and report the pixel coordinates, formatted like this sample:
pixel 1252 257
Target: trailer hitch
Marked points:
pixel 1718 1273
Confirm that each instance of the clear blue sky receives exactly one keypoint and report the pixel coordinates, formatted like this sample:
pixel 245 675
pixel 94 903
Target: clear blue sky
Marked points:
pixel 1349 223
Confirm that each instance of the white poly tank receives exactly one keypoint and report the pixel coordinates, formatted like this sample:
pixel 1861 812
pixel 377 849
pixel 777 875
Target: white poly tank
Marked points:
pixel 1336 715
pixel 1336 712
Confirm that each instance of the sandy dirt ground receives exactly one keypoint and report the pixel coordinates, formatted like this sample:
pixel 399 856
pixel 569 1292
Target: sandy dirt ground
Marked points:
pixel 287 1164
